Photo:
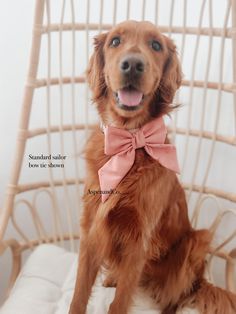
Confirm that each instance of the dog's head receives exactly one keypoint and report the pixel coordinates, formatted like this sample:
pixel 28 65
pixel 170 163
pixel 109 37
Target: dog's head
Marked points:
pixel 133 73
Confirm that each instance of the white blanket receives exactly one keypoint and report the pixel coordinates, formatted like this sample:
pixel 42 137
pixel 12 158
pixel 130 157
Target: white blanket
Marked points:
pixel 46 282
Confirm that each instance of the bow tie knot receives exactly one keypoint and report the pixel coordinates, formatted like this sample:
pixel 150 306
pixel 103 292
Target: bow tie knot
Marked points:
pixel 138 140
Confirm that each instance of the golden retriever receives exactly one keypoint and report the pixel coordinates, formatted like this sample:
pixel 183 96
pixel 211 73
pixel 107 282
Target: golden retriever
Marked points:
pixel 142 234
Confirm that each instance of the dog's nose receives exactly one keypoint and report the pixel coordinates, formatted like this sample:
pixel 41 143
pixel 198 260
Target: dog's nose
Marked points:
pixel 132 65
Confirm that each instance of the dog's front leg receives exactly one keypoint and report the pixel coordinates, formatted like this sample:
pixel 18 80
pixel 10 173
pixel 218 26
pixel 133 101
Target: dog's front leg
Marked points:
pixel 86 275
pixel 130 270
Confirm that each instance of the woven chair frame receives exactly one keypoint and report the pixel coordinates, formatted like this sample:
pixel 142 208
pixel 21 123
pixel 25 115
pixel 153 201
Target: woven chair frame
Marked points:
pixel 16 191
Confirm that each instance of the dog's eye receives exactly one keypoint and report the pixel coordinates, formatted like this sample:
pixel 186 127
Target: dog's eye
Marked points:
pixel 115 42
pixel 156 45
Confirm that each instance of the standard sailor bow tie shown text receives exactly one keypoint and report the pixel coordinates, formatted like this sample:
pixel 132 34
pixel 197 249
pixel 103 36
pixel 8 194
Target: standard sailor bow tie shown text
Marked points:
pixel 46 161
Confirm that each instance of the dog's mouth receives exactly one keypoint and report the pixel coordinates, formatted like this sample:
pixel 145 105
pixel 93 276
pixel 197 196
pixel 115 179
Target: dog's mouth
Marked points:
pixel 129 98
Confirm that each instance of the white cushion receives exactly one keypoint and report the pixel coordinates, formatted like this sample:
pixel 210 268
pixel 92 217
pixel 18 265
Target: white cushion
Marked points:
pixel 46 282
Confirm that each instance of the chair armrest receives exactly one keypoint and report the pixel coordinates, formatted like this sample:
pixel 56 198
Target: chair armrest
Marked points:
pixel 230 271
pixel 15 249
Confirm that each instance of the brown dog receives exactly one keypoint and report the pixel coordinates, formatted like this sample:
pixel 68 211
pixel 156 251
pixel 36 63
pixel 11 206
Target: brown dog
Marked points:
pixel 142 234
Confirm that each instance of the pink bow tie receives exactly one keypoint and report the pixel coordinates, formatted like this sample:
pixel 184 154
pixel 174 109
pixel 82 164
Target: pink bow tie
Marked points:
pixel 121 145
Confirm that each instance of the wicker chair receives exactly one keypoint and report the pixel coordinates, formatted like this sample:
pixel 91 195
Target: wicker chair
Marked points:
pixel 48 198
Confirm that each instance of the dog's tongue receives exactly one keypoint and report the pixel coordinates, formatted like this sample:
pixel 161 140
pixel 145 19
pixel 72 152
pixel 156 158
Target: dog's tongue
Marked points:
pixel 130 97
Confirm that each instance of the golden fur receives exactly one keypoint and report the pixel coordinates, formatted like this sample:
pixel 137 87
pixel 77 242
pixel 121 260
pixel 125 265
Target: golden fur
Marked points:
pixel 142 234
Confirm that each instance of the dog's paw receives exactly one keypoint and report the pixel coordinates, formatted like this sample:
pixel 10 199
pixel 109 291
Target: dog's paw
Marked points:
pixel 109 282
pixel 77 309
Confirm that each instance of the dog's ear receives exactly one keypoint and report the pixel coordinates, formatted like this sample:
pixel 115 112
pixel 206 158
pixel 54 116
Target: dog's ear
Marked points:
pixel 95 71
pixel 171 77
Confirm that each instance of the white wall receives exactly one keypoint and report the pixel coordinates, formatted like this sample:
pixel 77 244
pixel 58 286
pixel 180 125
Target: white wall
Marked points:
pixel 16 19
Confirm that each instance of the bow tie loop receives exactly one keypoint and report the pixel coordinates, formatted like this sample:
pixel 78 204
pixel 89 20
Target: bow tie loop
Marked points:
pixel 116 140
